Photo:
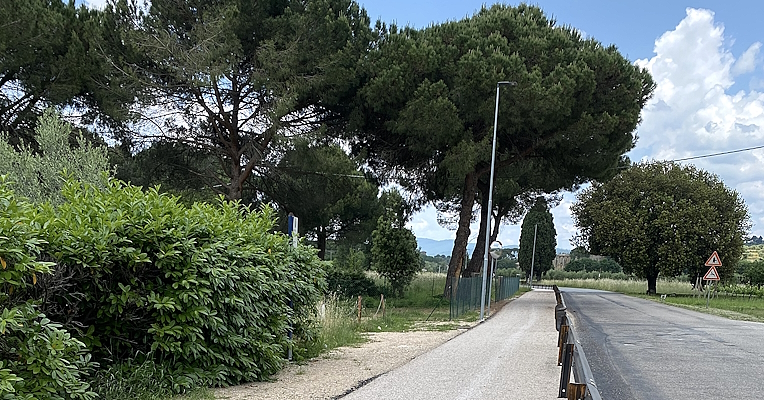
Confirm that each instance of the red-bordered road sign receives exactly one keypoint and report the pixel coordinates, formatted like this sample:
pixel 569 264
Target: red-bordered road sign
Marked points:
pixel 714 260
pixel 711 275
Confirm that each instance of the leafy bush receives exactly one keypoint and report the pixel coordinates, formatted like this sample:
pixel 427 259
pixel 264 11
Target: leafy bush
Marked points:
pixel 509 272
pixel 350 283
pixel 38 359
pixel 754 272
pixel 591 265
pixel 37 172
pixel 204 289
pixel 394 252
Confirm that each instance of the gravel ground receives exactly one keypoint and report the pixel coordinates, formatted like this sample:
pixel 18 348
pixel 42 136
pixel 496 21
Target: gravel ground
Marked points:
pixel 343 370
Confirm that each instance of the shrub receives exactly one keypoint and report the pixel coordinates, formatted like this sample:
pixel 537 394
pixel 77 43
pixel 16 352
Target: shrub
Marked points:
pixel 204 289
pixel 38 358
pixel 350 283
pixel 754 272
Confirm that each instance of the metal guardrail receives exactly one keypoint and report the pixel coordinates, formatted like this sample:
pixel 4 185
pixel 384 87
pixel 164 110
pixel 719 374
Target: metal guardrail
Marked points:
pixel 572 359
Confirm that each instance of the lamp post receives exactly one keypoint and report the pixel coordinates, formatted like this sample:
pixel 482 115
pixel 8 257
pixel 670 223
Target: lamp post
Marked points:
pixel 490 197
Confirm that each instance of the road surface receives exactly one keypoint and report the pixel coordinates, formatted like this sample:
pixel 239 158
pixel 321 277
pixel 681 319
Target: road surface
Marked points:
pixel 640 349
pixel 513 355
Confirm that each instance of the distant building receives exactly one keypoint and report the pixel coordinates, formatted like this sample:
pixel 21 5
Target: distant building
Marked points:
pixel 560 261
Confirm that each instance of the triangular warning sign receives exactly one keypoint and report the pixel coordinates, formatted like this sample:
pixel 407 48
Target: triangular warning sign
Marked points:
pixel 711 275
pixel 714 260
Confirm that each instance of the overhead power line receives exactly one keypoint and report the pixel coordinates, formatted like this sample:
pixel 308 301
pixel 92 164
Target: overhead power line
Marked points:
pixel 717 154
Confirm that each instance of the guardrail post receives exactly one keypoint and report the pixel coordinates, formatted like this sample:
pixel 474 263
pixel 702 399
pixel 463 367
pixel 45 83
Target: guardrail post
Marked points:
pixel 567 363
pixel 576 391
pixel 561 340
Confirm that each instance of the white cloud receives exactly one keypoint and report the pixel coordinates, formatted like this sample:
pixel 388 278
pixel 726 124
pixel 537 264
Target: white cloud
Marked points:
pixel 693 111
pixel 747 62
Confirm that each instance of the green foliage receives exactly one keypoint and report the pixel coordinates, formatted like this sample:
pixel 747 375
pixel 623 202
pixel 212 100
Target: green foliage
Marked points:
pixel 141 379
pixel 350 283
pixel 663 218
pixel 42 360
pixel 509 272
pixel 50 57
pixel 554 274
pixel 579 252
pixel 545 236
pixel 426 112
pixel 591 265
pixel 39 174
pixel 754 272
pixel 394 252
pixel 38 358
pixel 203 289
pixel 327 190
pixel 253 73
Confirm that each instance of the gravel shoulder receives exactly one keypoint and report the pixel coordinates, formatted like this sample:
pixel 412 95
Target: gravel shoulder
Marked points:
pixel 342 370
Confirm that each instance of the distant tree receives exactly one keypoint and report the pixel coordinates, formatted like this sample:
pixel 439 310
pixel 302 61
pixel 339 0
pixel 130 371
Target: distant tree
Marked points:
pixel 579 252
pixel 327 190
pixel 546 239
pixel 581 264
pixel 39 175
pixel 176 168
pixel 663 218
pixel 394 252
pixel 754 273
pixel 609 265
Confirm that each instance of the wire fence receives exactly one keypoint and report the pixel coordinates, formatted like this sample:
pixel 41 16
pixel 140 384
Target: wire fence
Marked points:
pixel 464 293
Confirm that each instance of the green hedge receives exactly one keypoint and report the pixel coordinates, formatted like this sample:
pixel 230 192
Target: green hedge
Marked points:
pixel 351 284
pixel 203 290
pixel 38 358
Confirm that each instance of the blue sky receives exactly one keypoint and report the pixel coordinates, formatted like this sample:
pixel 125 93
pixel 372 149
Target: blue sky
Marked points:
pixel 705 57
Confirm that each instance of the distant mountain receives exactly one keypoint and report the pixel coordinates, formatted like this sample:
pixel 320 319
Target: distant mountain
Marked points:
pixel 444 247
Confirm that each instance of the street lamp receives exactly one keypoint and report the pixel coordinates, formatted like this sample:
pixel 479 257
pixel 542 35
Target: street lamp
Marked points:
pixel 490 197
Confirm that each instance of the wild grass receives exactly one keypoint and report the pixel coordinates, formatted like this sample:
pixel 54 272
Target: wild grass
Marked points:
pixel 624 286
pixel 336 324
pixel 144 380
pixel 733 307
pixel 679 293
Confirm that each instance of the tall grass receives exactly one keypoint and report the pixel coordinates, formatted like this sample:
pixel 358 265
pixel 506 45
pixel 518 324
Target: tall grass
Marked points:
pixel 336 326
pixel 750 309
pixel 624 286
pixel 144 380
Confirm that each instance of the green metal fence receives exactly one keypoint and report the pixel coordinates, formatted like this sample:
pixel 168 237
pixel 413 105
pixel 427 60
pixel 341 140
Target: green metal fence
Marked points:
pixel 505 287
pixel 465 292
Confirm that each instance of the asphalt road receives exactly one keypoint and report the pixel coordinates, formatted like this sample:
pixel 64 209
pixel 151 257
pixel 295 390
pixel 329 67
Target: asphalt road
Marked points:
pixel 512 355
pixel 640 349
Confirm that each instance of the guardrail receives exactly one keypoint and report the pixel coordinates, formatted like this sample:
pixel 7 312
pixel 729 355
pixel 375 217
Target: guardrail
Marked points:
pixel 572 358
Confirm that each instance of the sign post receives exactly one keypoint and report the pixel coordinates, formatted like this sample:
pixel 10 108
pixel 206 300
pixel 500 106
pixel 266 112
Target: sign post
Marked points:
pixel 495 253
pixel 712 274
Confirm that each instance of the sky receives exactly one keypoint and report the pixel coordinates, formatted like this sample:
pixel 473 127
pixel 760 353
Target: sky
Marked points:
pixel 706 59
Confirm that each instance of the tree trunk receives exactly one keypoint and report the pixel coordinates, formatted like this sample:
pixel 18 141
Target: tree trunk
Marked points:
pixel 321 243
pixel 651 283
pixel 478 254
pixel 462 233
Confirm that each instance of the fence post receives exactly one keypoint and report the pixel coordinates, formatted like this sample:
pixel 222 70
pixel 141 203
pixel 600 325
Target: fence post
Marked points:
pixel 359 309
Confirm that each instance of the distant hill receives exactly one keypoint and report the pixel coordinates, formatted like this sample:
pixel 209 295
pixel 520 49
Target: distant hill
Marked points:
pixel 443 247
